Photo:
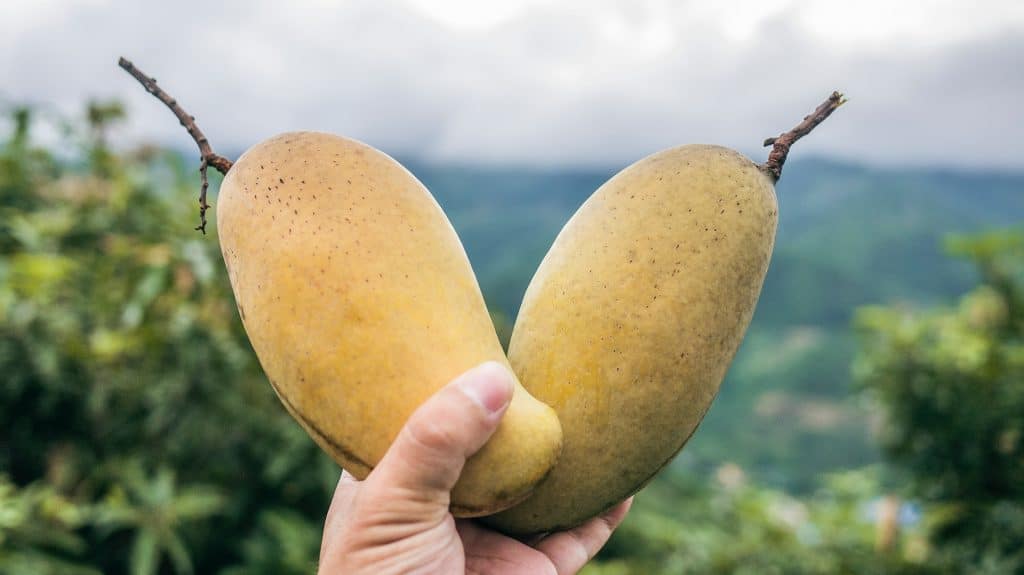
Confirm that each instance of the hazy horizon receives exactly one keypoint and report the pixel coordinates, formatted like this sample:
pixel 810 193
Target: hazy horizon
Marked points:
pixel 413 160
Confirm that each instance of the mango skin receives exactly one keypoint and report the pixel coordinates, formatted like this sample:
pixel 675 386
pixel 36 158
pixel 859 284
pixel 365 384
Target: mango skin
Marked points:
pixel 631 321
pixel 360 303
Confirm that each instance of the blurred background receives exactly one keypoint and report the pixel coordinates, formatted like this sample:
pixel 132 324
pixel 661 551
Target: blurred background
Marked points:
pixel 873 421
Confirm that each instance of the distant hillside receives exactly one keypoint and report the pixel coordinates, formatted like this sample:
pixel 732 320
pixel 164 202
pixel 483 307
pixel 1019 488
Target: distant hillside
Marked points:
pixel 848 235
pixel 838 223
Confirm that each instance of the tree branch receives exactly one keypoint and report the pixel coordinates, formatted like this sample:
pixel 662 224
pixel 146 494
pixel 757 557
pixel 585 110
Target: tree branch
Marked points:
pixel 780 145
pixel 206 154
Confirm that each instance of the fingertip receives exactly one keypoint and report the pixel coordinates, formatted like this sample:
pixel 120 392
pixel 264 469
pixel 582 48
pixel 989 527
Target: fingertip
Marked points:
pixel 615 515
pixel 489 385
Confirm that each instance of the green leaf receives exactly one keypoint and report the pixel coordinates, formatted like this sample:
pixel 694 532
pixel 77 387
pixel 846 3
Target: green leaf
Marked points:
pixel 145 556
pixel 179 554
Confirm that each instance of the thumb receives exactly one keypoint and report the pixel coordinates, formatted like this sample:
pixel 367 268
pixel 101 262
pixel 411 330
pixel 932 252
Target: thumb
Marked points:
pixel 430 451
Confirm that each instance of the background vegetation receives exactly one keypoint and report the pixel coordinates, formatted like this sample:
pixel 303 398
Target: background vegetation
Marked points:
pixel 137 433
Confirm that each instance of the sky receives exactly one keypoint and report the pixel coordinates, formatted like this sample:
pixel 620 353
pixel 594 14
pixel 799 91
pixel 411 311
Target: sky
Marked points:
pixel 543 82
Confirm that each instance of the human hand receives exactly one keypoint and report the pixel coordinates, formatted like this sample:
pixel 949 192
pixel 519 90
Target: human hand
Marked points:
pixel 397 519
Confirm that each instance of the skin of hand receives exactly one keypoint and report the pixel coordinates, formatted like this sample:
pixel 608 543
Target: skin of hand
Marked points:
pixel 397 519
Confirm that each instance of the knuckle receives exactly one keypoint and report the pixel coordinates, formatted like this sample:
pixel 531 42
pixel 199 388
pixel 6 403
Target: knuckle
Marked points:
pixel 430 435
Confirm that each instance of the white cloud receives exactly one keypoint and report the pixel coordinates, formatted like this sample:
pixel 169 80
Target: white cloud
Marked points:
pixel 539 81
pixel 473 14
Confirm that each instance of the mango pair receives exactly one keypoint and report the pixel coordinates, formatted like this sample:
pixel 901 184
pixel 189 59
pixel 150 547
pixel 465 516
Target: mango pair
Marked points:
pixel 360 302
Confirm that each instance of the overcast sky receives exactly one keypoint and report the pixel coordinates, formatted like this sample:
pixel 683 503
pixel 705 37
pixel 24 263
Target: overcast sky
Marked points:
pixel 584 82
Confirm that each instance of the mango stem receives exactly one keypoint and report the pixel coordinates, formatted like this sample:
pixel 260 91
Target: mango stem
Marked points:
pixel 780 144
pixel 207 156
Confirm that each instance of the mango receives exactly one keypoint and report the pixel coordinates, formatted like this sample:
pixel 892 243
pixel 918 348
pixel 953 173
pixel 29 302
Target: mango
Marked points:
pixel 360 303
pixel 631 321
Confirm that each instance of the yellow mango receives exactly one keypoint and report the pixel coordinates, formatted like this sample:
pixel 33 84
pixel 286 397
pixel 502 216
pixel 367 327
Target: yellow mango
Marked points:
pixel 360 303
pixel 632 319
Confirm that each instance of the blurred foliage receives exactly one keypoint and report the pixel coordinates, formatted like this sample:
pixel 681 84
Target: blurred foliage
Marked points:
pixel 685 525
pixel 950 386
pixel 139 435
pixel 38 531
pixel 130 391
